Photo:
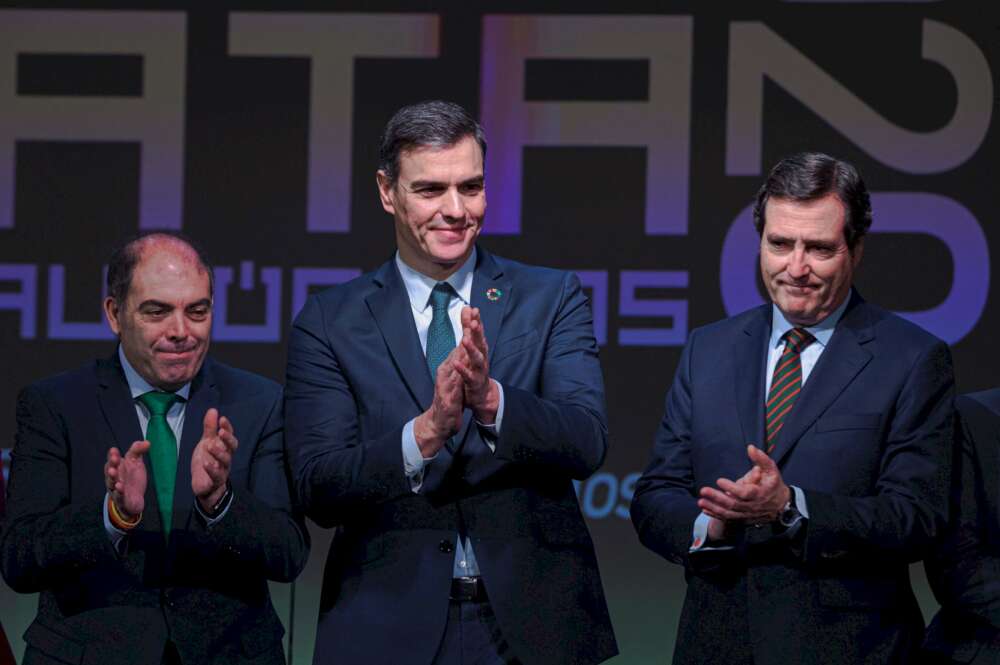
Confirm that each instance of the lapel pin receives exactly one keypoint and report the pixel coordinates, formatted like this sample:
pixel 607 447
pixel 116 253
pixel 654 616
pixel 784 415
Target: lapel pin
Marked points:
pixel 493 294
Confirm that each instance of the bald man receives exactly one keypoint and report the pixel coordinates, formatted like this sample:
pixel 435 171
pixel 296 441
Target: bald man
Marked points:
pixel 163 557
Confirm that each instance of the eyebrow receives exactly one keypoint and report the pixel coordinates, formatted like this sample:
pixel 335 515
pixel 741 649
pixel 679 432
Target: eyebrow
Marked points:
pixel 165 305
pixel 420 184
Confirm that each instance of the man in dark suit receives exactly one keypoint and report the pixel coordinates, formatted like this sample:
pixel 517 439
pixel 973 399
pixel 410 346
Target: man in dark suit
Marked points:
pixel 167 559
pixel 438 409
pixel 804 456
pixel 964 569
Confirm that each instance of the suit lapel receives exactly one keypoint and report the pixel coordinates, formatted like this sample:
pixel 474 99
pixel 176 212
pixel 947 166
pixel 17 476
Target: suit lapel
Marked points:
pixel 750 376
pixel 390 307
pixel 118 409
pixel 490 293
pixel 837 366
pixel 203 396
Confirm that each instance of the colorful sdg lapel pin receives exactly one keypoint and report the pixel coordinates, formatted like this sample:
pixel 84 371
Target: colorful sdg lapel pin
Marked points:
pixel 493 294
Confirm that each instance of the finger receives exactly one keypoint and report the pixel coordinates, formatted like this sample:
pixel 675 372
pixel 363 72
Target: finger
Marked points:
pixel 741 491
pixel 113 453
pixel 215 472
pixel 473 352
pixel 222 458
pixel 210 424
pixel 760 458
pixel 225 425
pixel 466 317
pixel 229 441
pixel 137 449
pixel 718 512
pixel 466 373
pixel 718 498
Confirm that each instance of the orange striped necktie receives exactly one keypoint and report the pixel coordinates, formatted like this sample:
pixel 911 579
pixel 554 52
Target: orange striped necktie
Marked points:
pixel 786 383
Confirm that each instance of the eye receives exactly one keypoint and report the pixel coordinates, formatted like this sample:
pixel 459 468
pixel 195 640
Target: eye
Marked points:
pixel 471 189
pixel 199 313
pixel 429 191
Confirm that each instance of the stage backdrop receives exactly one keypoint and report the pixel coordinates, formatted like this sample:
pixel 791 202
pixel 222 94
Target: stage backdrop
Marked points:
pixel 627 140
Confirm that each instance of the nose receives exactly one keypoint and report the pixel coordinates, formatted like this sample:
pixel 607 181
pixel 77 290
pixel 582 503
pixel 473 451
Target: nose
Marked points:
pixel 798 265
pixel 177 326
pixel 452 208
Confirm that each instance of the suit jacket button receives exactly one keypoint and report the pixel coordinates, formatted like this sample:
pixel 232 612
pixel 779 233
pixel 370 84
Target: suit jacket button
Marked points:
pixel 446 546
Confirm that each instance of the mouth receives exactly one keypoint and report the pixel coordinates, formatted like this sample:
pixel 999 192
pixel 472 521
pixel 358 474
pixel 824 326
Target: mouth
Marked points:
pixel 799 289
pixel 452 232
pixel 175 354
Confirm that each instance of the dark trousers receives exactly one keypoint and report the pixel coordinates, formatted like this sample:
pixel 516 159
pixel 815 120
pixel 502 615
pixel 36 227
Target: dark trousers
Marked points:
pixel 472 637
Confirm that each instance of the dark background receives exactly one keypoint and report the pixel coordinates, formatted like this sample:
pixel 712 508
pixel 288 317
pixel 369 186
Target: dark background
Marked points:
pixel 246 132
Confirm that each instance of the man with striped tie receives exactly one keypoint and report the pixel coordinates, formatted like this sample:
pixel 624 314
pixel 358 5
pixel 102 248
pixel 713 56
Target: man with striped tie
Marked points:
pixel 804 457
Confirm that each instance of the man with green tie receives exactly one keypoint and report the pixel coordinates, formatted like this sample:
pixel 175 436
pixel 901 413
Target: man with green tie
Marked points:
pixel 167 559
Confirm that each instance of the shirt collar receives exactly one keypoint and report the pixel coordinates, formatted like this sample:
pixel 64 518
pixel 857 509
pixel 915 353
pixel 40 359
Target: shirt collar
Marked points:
pixel 419 285
pixel 139 386
pixel 822 331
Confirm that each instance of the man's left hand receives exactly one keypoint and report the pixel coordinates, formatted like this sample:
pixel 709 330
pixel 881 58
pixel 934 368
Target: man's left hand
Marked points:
pixel 756 498
pixel 480 393
pixel 211 459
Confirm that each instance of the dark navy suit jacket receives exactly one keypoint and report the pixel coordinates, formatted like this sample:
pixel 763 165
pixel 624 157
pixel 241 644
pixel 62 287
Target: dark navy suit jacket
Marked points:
pixel 964 570
pixel 207 588
pixel 357 375
pixel 869 442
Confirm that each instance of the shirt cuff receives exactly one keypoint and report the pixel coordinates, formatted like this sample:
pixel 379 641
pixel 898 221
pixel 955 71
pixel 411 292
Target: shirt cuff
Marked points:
pixel 413 461
pixel 212 521
pixel 699 536
pixel 492 432
pixel 114 533
pixel 800 502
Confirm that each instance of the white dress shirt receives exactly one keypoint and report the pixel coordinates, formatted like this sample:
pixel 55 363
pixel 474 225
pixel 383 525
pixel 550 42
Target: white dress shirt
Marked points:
pixel 418 288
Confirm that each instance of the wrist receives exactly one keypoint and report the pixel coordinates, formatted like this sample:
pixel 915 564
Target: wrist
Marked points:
pixel 121 519
pixel 213 504
pixel 428 439
pixel 486 410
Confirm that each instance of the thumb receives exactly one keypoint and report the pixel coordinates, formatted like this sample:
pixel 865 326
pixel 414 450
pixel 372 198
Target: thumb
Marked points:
pixel 138 449
pixel 210 424
pixel 760 458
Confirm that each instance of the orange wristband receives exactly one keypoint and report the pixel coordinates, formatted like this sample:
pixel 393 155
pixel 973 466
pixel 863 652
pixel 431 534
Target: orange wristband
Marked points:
pixel 117 520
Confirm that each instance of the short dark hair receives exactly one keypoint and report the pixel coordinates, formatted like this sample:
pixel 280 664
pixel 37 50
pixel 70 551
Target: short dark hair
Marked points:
pixel 434 123
pixel 125 258
pixel 808 176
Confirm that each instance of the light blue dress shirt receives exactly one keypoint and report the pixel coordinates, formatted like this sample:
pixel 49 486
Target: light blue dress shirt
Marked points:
pixel 138 386
pixel 418 288
pixel 809 356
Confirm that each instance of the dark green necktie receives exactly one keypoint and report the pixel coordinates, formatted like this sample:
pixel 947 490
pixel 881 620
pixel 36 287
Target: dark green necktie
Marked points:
pixel 163 451
pixel 440 334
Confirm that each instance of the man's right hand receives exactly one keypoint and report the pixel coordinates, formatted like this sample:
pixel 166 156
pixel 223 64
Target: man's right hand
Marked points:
pixel 125 478
pixel 444 417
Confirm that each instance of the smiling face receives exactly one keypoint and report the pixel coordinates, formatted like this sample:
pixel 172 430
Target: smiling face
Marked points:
pixel 165 321
pixel 438 202
pixel 805 262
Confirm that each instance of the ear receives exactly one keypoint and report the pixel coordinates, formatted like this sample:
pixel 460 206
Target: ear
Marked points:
pixel 385 192
pixel 111 313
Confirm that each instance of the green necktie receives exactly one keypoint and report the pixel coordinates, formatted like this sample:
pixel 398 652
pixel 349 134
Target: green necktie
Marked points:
pixel 440 334
pixel 163 451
